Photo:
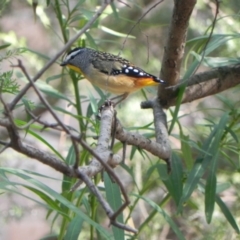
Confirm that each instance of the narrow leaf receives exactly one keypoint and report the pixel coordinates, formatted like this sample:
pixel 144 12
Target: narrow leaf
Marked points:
pixel 54 77
pixel 118 34
pixel 210 188
pixel 5 45
pixel 202 162
pixel 62 200
pixel 70 159
pixel 176 177
pixel 113 195
pixel 227 214
pixel 162 171
pixel 210 191
pixel 46 143
pixel 186 151
pixel 74 228
pixel 167 218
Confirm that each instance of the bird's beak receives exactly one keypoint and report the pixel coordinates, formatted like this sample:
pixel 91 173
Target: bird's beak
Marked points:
pixel 63 64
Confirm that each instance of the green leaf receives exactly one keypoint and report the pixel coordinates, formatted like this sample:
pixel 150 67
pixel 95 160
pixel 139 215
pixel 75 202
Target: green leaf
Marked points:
pixel 167 218
pixel 114 9
pixel 103 95
pixel 68 181
pixel 61 199
pixel 50 202
pixel 186 150
pixel 74 228
pixel 54 77
pixel 35 52
pixel 176 110
pixel 217 40
pixel 210 192
pixel 93 103
pixel 49 90
pixel 215 61
pixel 91 40
pixel 174 180
pixel 210 146
pixel 222 187
pixel 227 214
pixel 118 34
pixel 5 45
pixel 113 195
pixel 176 177
pixel 210 188
pixel 8 84
pixel 165 177
pixel 133 151
pixel 37 136
pixel 88 14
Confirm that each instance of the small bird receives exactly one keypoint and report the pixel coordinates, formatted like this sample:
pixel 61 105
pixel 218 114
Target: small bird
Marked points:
pixel 109 72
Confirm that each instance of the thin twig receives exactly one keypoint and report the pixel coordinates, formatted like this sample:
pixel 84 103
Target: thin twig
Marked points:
pixel 49 108
pixel 210 36
pixel 6 145
pixel 138 21
pixel 45 124
pixel 112 216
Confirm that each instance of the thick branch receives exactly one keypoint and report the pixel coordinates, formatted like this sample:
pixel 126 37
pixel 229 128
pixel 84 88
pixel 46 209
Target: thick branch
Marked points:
pixel 58 165
pixel 102 149
pixel 209 83
pixel 32 152
pixel 45 158
pixel 174 50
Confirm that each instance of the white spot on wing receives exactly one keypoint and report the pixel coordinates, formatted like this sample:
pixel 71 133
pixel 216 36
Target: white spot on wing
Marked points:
pixel 141 73
pixel 126 71
pixel 135 70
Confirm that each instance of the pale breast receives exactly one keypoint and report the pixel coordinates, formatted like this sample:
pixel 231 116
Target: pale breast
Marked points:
pixel 115 84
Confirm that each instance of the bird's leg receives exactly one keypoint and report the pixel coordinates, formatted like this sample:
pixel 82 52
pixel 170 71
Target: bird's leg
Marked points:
pixel 109 101
pixel 122 97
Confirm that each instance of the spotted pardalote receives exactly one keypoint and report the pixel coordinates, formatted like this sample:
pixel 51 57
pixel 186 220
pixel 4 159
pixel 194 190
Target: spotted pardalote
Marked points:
pixel 109 72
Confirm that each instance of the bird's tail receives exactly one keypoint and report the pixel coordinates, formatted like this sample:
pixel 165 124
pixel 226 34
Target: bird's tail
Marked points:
pixel 158 80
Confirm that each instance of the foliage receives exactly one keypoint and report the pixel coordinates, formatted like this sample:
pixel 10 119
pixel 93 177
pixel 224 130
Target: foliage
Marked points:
pixel 205 162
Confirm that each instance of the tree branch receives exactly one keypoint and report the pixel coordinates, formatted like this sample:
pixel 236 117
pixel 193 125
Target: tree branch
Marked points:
pixel 159 148
pixel 174 50
pixel 208 83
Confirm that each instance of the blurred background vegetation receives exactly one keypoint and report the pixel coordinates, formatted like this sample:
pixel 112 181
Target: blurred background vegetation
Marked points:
pixel 35 34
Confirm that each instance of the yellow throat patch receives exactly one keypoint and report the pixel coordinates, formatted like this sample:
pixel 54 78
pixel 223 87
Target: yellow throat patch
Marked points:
pixel 76 69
